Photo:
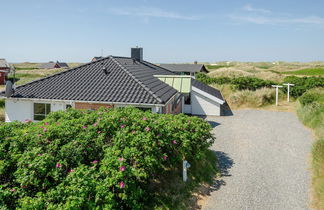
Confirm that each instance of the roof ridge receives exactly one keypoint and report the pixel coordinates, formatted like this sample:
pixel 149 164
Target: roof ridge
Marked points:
pixel 160 67
pixel 61 72
pixel 134 78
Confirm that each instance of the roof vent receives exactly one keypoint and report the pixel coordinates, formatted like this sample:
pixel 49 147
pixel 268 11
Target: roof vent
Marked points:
pixel 105 70
pixel 137 54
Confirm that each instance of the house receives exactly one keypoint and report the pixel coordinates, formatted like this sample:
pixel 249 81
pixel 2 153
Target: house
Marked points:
pixel 110 82
pixel 186 69
pixel 4 70
pixel 53 65
pixel 96 58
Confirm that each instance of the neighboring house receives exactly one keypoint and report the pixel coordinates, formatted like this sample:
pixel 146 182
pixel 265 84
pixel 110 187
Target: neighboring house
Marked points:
pixel 4 70
pixel 96 58
pixel 111 82
pixel 186 69
pixel 53 65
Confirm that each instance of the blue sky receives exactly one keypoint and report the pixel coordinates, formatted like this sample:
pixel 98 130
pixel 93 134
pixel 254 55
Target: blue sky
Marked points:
pixel 169 31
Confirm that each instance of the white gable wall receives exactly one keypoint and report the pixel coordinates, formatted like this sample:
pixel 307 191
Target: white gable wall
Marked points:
pixel 22 110
pixel 201 105
pixel 18 110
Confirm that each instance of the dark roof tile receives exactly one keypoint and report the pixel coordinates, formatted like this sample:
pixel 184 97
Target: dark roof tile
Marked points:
pixel 206 88
pixel 127 82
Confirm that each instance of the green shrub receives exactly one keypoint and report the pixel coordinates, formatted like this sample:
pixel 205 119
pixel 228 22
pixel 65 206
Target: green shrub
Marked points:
pixel 238 83
pixel 302 84
pixel 308 98
pixel 102 159
pixel 250 83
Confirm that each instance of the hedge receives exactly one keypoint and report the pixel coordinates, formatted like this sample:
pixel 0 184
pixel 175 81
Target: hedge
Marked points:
pixel 302 84
pixel 104 159
pixel 239 83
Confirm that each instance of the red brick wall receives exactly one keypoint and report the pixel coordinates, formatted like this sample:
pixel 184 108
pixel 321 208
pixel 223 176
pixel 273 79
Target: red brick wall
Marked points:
pixel 80 105
pixel 178 108
pixel 168 108
pixel 2 78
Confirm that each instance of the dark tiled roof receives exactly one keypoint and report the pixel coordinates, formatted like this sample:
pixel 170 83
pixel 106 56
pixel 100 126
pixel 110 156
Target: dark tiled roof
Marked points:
pixel 63 65
pixel 206 88
pixel 185 67
pixel 51 65
pixel 126 81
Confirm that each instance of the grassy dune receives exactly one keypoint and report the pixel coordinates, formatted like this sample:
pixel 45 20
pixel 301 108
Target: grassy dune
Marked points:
pixel 307 72
pixel 274 71
pixel 312 115
pixel 27 72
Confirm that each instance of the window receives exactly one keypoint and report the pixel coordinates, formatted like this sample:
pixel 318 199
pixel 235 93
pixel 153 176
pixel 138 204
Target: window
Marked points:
pixel 144 109
pixel 68 106
pixel 41 110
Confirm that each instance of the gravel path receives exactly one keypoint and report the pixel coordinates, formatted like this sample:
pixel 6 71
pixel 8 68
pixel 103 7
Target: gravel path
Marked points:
pixel 264 158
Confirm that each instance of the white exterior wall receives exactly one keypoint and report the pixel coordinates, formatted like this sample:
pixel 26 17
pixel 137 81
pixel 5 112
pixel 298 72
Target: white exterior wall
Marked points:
pixel 22 110
pixel 201 105
pixel 18 110
pixel 187 109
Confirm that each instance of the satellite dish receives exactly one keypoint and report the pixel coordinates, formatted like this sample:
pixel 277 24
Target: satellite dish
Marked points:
pixel 9 89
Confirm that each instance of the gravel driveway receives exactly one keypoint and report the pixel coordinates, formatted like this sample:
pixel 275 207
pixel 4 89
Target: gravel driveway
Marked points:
pixel 264 159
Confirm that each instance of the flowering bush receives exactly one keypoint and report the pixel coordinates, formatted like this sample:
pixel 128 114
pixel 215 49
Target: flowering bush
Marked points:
pixel 94 159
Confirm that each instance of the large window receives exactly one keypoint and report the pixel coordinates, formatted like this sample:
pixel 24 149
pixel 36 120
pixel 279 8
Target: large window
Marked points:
pixel 41 110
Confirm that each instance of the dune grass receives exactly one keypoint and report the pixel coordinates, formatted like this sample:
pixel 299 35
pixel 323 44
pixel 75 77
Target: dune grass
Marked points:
pixel 312 115
pixel 214 67
pixel 307 72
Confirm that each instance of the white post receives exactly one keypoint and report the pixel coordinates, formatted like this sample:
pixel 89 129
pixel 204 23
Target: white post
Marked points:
pixel 277 92
pixel 288 90
pixel 185 166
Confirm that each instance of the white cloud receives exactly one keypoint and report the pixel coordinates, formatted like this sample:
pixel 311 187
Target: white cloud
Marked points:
pixel 151 12
pixel 250 8
pixel 315 20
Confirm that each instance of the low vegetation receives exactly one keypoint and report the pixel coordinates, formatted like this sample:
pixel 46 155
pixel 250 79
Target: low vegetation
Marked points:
pixel 308 72
pixel 249 98
pixel 238 83
pixel 302 84
pixel 217 66
pixel 2 110
pixel 311 113
pixel 105 159
pixel 274 71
